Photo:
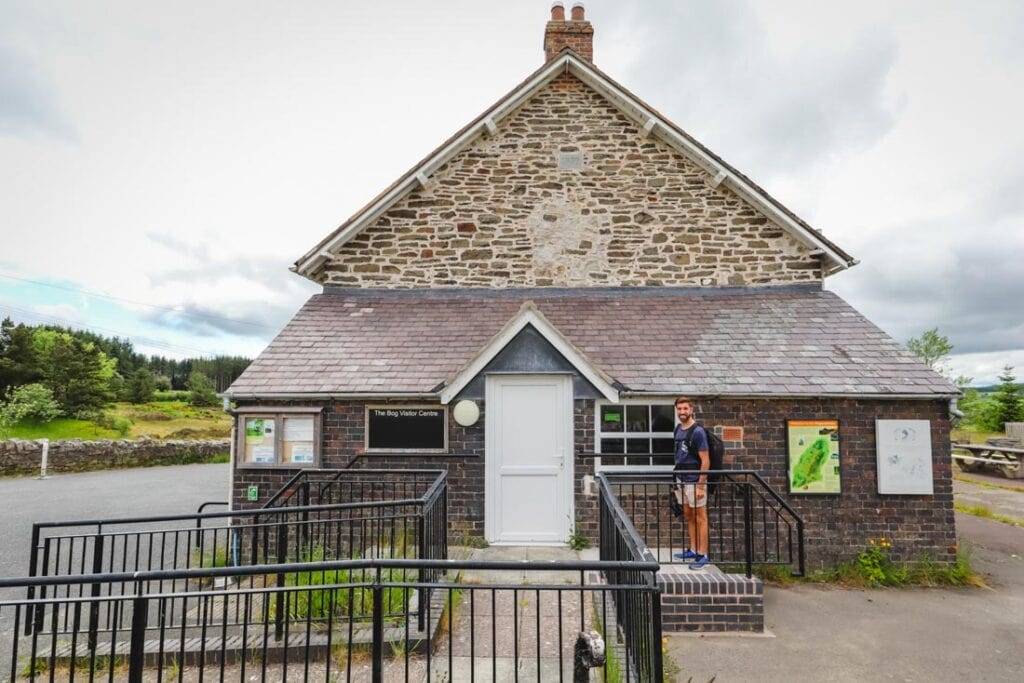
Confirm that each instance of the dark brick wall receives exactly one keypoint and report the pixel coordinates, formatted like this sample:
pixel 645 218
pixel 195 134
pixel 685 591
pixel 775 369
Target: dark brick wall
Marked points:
pixel 343 440
pixel 837 527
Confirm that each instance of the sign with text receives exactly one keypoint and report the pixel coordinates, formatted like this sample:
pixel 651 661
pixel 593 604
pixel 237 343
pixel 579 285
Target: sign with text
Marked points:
pixel 404 428
pixel 813 449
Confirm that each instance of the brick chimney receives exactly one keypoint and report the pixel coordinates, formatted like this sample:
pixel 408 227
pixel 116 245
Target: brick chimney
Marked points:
pixel 576 33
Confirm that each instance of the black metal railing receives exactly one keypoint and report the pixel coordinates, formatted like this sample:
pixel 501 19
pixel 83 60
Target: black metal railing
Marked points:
pixel 342 620
pixel 638 620
pixel 749 522
pixel 328 486
pixel 377 528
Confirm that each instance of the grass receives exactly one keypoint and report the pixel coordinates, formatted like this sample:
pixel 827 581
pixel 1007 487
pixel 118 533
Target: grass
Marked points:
pixel 873 569
pixel 344 601
pixel 117 666
pixel 174 420
pixel 157 420
pixel 971 435
pixel 982 511
pixel 988 485
pixel 62 428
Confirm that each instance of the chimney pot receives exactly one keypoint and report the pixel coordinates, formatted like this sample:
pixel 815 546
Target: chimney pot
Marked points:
pixel 577 34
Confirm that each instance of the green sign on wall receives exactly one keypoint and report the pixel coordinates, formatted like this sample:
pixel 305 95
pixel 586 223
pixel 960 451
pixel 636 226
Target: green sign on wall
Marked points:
pixel 253 493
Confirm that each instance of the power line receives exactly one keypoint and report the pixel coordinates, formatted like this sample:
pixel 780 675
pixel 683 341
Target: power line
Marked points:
pixel 172 309
pixel 144 341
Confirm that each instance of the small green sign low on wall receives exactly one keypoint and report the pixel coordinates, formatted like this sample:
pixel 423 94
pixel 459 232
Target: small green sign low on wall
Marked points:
pixel 253 493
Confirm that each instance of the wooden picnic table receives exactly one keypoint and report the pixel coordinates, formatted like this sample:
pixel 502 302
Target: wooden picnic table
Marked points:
pixel 972 457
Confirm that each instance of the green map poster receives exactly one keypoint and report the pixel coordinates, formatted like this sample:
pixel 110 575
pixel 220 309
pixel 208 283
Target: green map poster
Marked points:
pixel 813 450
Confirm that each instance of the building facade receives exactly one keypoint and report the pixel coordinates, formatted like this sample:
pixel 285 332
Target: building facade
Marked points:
pixel 540 288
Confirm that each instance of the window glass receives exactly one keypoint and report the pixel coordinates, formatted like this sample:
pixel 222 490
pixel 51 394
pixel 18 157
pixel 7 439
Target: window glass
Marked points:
pixel 636 429
pixel 638 418
pixel 611 419
pixel 260 440
pixel 612 445
pixel 638 445
pixel 297 440
pixel 663 418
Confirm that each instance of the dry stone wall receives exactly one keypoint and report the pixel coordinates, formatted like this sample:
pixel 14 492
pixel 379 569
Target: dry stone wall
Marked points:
pixel 568 193
pixel 74 455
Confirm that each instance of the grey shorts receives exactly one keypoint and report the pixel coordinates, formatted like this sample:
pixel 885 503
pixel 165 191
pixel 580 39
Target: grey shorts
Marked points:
pixel 687 492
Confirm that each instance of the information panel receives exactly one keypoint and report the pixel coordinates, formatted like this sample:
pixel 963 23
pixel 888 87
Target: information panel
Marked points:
pixel 406 429
pixel 904 456
pixel 813 450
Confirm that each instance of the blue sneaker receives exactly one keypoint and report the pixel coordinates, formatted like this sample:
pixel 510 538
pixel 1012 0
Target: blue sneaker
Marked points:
pixel 688 555
pixel 701 561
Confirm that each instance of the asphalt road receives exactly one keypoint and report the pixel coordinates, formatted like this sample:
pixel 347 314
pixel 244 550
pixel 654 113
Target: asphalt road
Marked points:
pixel 93 495
pixel 100 495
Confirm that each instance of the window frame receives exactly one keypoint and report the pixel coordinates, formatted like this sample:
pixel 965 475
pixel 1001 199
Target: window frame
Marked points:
pixel 624 434
pixel 279 414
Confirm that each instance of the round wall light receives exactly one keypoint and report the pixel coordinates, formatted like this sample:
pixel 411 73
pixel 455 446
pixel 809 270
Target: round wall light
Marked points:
pixel 466 413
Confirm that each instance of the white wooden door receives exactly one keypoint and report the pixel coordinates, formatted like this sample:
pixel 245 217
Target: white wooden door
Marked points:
pixel 529 443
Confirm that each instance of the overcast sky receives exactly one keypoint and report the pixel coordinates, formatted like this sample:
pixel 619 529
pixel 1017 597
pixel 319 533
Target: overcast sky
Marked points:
pixel 178 156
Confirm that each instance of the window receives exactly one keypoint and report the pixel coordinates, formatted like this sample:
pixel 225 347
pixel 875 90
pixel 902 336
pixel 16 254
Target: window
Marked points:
pixel 278 437
pixel 635 429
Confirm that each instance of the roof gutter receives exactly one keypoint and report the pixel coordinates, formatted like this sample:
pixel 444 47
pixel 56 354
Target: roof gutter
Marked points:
pixel 329 395
pixel 901 397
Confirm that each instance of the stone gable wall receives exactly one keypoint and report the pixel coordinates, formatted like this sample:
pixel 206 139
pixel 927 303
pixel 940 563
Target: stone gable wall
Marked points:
pixel 636 213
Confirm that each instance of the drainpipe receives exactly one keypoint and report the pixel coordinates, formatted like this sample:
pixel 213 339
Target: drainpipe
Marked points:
pixel 955 414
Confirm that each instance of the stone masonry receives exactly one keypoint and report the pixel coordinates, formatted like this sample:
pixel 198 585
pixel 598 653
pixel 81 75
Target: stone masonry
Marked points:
pixel 74 455
pixel 568 193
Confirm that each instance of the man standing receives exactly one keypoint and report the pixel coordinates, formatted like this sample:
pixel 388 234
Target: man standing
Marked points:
pixel 691 463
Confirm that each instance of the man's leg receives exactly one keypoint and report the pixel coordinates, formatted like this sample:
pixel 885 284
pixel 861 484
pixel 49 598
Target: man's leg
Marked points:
pixel 691 526
pixel 701 522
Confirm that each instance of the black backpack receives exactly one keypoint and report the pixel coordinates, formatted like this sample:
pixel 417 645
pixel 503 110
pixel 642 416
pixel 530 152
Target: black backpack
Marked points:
pixel 716 454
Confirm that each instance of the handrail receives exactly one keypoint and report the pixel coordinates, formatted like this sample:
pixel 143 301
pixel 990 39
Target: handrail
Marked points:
pixel 254 512
pixel 750 481
pixel 337 475
pixel 730 472
pixel 640 549
pixel 329 565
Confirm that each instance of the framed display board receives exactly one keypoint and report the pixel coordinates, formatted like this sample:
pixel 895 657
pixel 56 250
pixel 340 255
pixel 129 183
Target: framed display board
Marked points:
pixel 904 452
pixel 812 449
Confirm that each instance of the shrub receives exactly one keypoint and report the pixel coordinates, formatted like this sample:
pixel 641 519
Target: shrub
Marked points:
pixel 30 402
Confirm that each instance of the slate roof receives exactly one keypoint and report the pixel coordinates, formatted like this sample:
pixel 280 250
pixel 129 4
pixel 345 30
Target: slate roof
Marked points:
pixel 780 341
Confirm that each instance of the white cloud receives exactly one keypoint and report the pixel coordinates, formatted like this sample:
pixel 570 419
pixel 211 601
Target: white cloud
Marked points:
pixel 213 147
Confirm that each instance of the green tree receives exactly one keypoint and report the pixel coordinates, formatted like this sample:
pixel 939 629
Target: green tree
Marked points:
pixel 201 390
pixel 18 362
pixel 77 372
pixel 1007 397
pixel 29 402
pixel 931 347
pixel 140 386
